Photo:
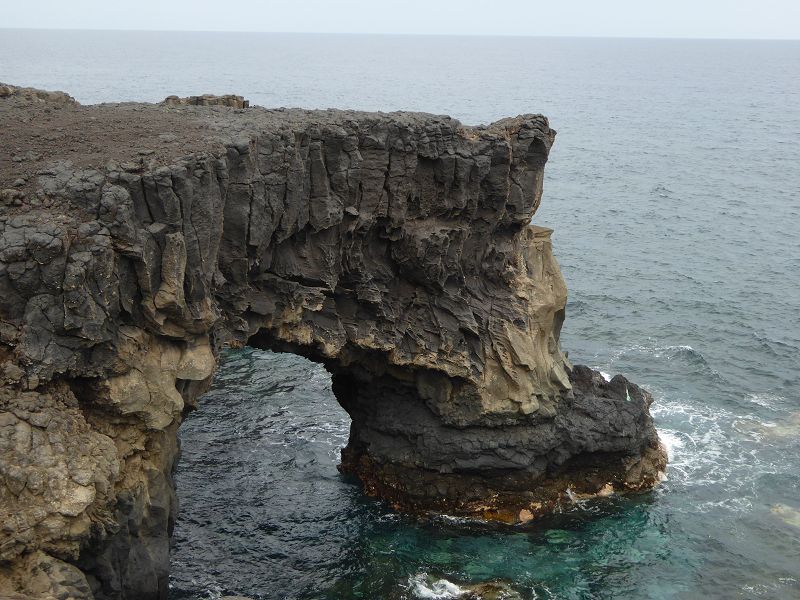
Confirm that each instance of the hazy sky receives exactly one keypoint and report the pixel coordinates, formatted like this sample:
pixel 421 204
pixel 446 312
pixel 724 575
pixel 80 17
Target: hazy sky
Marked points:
pixel 637 18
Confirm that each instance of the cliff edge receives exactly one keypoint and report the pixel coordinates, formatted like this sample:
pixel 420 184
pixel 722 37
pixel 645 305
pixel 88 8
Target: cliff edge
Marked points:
pixel 136 240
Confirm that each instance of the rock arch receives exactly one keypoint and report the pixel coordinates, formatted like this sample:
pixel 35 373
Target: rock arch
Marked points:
pixel 396 249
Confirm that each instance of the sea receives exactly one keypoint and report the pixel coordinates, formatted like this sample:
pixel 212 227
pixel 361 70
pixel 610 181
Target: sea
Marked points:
pixel 674 192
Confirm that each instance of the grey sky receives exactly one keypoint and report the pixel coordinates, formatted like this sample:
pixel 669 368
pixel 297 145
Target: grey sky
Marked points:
pixel 635 18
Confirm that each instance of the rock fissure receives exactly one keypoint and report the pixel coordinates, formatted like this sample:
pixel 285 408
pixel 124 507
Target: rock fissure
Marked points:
pixel 396 249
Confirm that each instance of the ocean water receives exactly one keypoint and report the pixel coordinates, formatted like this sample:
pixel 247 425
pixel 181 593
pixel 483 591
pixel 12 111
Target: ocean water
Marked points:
pixel 674 192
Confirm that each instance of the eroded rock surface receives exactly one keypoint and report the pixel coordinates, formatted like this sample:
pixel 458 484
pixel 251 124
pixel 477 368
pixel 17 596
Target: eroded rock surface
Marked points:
pixel 208 100
pixel 137 240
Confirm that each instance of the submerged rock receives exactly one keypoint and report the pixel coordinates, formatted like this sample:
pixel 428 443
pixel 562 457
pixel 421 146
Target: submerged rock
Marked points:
pixel 787 514
pixel 789 427
pixel 396 249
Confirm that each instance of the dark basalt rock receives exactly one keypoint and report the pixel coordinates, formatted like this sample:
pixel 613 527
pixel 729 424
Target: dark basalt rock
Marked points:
pixel 137 240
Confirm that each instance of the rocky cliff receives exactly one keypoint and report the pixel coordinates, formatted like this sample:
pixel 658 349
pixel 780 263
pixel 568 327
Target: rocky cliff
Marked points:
pixel 397 249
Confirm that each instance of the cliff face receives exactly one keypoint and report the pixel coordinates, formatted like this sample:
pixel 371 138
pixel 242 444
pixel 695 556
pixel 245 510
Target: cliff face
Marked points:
pixel 136 240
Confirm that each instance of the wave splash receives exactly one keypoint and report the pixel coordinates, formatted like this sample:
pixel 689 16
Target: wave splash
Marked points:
pixel 424 588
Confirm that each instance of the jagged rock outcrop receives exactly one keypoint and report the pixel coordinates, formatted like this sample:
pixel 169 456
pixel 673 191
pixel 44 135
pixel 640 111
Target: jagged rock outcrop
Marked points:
pixel 208 100
pixel 33 96
pixel 137 240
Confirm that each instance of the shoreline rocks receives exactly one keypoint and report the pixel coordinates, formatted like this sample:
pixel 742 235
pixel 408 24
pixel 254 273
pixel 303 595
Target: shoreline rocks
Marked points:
pixel 396 249
pixel 228 100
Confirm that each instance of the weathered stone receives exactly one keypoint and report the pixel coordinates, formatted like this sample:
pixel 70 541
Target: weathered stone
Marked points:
pixel 228 100
pixel 38 575
pixel 32 95
pixel 396 249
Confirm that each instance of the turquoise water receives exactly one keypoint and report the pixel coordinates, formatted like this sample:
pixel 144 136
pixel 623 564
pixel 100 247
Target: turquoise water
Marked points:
pixel 674 192
pixel 265 513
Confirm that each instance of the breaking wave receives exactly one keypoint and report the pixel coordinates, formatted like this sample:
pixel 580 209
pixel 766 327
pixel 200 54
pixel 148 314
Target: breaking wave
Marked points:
pixel 424 588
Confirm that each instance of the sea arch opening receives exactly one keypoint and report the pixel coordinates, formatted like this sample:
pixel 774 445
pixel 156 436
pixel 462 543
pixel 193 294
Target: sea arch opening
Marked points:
pixel 262 504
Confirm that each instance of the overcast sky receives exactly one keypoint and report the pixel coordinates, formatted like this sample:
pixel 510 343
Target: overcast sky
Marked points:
pixel 630 18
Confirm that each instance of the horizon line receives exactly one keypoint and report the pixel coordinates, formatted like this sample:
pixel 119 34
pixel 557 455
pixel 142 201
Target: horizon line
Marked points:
pixel 407 34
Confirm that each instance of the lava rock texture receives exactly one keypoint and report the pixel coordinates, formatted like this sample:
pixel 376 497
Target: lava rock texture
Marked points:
pixel 397 249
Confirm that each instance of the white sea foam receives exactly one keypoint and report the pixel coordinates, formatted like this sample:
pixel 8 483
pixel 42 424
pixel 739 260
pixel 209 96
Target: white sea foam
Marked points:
pixel 669 352
pixel 672 349
pixel 672 442
pixel 424 588
pixel 766 400
pixel 714 448
pixel 605 375
pixel 453 520
pixel 573 498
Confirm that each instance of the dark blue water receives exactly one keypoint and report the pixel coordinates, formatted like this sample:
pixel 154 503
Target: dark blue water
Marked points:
pixel 674 191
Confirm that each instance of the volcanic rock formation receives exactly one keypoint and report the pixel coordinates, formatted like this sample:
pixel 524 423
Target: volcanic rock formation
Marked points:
pixel 397 249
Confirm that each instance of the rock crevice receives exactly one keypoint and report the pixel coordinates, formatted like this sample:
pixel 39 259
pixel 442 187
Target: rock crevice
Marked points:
pixel 397 249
